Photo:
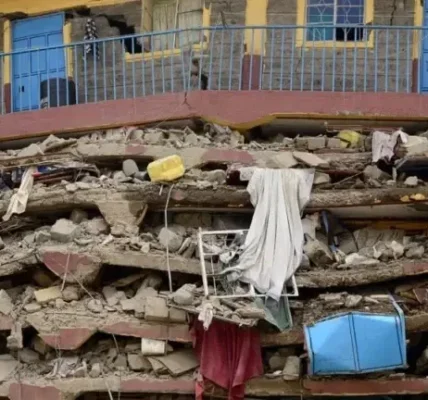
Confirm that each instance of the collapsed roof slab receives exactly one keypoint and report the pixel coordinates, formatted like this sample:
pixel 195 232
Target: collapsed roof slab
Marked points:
pixel 219 199
pixel 68 389
pixel 58 330
pixel 85 265
pixel 192 156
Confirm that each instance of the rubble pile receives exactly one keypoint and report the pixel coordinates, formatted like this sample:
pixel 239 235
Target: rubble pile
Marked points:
pixel 104 270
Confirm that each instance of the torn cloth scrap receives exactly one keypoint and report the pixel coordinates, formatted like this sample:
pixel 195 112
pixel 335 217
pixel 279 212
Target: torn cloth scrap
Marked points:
pixel 383 145
pixel 18 202
pixel 228 356
pixel 91 34
pixel 273 248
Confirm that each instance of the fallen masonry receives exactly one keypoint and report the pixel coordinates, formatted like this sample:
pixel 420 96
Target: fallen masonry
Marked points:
pixel 111 271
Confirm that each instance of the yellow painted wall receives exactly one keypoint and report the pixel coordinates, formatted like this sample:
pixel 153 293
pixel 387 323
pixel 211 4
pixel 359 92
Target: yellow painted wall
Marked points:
pixel 7 48
pixel 418 21
pixel 256 14
pixel 34 7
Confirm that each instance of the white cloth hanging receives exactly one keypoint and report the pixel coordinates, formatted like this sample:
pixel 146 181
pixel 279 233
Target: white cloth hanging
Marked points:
pixel 273 247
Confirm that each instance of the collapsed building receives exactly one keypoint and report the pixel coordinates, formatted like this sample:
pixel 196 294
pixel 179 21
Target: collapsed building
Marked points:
pixel 113 279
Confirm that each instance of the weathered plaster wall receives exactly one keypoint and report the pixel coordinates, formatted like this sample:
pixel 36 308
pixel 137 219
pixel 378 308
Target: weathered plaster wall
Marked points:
pixel 114 77
pixel 313 69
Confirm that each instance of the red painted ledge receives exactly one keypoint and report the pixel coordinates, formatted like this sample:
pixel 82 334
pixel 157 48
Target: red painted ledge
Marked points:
pixel 262 387
pixel 239 109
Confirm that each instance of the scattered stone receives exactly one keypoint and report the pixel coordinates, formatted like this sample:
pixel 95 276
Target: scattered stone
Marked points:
pixel 95 306
pixel 42 237
pixel 71 187
pixel 95 371
pixel 167 237
pixel 318 252
pixel 113 296
pixel 192 139
pixel 83 185
pixel 130 167
pixel 310 159
pixel 301 143
pixel 96 226
pixel 137 362
pixel 120 363
pixel 216 176
pixel 373 172
pixel 28 356
pixel 415 252
pixel 46 295
pixel 152 347
pixel 1 244
pixel 331 297
pixel 321 178
pixel 15 340
pixel 276 362
pixel 6 305
pixel 292 368
pixel 145 247
pixel 32 307
pixel 179 362
pixel 81 371
pixel 251 312
pixel 156 309
pixel 153 137
pixel 129 304
pixel 283 159
pixel 60 303
pixel 177 316
pixel 71 293
pixel 334 143
pixel 29 239
pixel 64 230
pixel 353 300
pixel 315 143
pixel 185 295
pixel 77 216
pixel 7 367
pixel 411 181
pixel 31 151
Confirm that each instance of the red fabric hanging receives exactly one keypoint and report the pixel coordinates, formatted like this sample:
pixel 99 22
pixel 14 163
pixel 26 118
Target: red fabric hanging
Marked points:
pixel 228 356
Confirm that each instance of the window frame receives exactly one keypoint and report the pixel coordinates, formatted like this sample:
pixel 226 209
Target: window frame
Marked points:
pixel 300 36
pixel 157 54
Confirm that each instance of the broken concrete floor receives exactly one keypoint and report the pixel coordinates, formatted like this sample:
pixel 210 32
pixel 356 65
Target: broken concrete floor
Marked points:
pixel 83 272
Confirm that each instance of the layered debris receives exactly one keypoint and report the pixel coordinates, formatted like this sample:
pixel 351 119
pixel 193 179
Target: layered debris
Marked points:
pixel 101 267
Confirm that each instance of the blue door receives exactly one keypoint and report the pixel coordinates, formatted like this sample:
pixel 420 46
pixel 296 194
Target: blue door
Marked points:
pixel 31 68
pixel 423 84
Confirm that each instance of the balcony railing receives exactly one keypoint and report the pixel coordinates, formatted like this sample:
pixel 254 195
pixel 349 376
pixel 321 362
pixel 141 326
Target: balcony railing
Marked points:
pixel 305 58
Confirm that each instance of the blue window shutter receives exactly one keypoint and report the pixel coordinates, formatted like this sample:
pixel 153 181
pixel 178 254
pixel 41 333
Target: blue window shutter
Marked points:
pixel 350 12
pixel 320 13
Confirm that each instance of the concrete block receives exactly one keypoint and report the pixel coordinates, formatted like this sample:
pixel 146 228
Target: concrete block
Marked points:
pixel 46 295
pixel 137 362
pixel 6 305
pixel 176 315
pixel 64 230
pixel 333 143
pixel 156 309
pixel 315 143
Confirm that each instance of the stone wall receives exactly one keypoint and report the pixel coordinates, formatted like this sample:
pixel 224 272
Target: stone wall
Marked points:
pixel 114 77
